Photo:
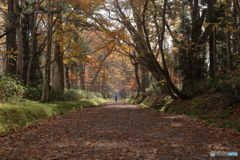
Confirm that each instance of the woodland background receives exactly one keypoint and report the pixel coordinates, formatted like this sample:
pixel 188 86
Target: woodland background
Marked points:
pixel 180 48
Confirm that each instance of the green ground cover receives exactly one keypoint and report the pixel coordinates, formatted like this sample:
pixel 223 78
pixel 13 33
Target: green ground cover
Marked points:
pixel 16 114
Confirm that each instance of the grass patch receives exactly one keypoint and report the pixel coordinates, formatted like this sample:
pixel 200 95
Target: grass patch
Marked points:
pixel 223 114
pixel 132 101
pixel 215 109
pixel 232 124
pixel 18 114
pixel 144 105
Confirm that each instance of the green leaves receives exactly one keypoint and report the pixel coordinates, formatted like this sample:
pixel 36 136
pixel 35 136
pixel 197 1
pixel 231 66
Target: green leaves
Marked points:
pixel 10 88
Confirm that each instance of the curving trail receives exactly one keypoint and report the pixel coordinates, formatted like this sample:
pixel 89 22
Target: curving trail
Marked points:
pixel 119 131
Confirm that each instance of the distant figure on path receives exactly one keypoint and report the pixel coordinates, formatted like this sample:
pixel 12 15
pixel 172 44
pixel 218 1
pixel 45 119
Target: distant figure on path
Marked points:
pixel 116 98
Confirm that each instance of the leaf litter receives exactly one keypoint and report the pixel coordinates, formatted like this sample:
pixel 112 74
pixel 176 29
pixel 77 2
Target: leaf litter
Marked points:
pixel 119 131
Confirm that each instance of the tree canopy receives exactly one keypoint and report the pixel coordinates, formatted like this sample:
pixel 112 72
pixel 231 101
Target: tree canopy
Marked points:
pixel 182 47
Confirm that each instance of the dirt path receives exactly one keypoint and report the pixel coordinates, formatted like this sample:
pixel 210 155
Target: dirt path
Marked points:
pixel 119 131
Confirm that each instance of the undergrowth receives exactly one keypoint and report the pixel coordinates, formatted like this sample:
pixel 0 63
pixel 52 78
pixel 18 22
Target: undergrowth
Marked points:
pixel 215 109
pixel 10 88
pixel 34 93
pixel 17 114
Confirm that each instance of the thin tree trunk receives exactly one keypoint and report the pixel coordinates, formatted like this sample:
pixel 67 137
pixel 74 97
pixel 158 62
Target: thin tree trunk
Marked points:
pixel 215 60
pixel 229 53
pixel 211 54
pixel 20 60
pixel 228 39
pixel 236 4
pixel 236 35
pixel 82 78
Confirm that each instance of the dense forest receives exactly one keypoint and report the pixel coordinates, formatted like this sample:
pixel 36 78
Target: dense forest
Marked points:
pixel 181 48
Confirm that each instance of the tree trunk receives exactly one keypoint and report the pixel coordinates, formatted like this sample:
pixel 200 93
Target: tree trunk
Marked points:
pixel 236 4
pixel 67 76
pixel 143 47
pixel 58 74
pixel 171 87
pixel 212 38
pixel 25 44
pixel 11 45
pixel 20 56
pixel 228 38
pixel 213 53
pixel 82 73
pixel 236 36
pixel 229 52
pixel 215 60
pixel 136 65
pixel 235 41
pixel 144 84
pixel 33 50
pixel 46 79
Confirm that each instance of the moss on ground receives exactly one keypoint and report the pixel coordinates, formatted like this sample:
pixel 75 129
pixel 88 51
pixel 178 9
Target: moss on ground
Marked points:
pixel 17 114
pixel 216 109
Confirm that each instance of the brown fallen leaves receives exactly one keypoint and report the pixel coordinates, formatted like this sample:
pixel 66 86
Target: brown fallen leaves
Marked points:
pixel 119 131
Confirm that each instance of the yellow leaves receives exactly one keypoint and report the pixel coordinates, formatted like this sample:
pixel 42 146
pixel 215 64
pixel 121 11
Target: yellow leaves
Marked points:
pixel 4 7
pixel 176 23
pixel 183 47
pixel 225 2
pixel 66 61
pixel 206 24
pixel 119 76
pixel 12 53
pixel 104 75
pixel 89 6
pixel 175 50
pixel 75 15
pixel 220 18
pixel 127 48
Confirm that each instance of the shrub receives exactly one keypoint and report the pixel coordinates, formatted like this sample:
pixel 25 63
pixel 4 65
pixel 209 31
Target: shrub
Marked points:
pixel 228 86
pixel 93 94
pixel 33 92
pixel 224 81
pixel 56 94
pixel 154 90
pixel 71 95
pixel 10 88
pixel 87 94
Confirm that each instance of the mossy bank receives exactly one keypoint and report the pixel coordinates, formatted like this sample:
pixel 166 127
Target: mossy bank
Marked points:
pixel 18 114
pixel 216 109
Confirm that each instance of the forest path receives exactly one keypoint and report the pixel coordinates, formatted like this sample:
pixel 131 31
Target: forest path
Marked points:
pixel 117 130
